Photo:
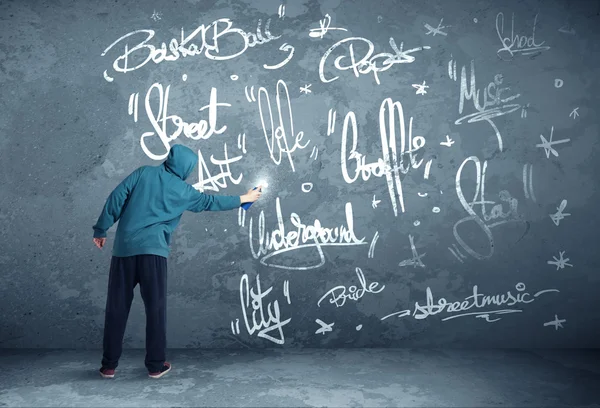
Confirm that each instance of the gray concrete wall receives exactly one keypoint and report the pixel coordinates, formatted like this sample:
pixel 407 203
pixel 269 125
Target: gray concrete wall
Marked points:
pixel 465 203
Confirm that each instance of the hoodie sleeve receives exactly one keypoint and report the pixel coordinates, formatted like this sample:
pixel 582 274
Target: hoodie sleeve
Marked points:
pixel 207 202
pixel 114 204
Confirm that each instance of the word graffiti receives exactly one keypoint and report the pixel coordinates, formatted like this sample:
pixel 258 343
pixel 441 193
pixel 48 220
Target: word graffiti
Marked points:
pixel 278 241
pixel 339 296
pixel 368 63
pixel 475 301
pixel 392 162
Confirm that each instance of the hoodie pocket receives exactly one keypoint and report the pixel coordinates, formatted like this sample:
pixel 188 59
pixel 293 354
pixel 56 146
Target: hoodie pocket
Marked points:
pixel 167 237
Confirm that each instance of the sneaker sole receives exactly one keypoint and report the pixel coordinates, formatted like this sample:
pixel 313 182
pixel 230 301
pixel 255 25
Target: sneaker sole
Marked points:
pixel 159 375
pixel 107 375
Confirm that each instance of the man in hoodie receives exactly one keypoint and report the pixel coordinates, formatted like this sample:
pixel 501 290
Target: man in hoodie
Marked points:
pixel 149 204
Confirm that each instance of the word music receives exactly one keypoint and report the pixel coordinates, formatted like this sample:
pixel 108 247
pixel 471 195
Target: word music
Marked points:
pixel 488 102
pixel 209 40
pixel 302 236
pixel 391 163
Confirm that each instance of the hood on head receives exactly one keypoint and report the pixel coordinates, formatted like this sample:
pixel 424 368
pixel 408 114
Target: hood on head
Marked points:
pixel 181 161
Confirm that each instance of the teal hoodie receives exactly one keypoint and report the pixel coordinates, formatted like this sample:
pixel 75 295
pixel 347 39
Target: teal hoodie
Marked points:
pixel 149 204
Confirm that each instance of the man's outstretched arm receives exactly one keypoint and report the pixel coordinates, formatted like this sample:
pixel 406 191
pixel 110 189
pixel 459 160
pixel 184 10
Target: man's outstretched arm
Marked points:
pixel 208 202
pixel 114 204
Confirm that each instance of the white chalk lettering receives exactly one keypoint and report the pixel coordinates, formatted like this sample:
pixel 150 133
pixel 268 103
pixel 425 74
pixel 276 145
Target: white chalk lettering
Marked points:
pixel 338 295
pixel 209 40
pixel 517 43
pixel 277 141
pixel 273 322
pixel 368 63
pixel 208 182
pixel 494 104
pixel 161 121
pixel 392 162
pixel 475 301
pixel 302 236
pixel 485 221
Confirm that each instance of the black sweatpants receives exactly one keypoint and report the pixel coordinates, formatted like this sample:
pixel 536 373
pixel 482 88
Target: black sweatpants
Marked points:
pixel 150 271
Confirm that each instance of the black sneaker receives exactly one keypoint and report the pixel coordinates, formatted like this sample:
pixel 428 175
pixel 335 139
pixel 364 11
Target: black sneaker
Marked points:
pixel 165 369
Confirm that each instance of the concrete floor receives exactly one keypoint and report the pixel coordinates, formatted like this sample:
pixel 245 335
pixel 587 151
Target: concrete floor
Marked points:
pixel 308 377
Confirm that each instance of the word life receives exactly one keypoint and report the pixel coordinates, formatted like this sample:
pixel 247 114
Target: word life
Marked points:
pixel 280 135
